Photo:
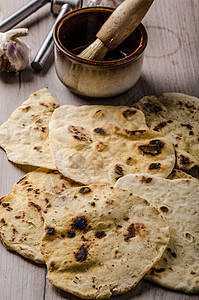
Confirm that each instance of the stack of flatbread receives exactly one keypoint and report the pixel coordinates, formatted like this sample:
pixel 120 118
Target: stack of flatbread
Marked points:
pixel 176 116
pixel 105 207
pixel 177 199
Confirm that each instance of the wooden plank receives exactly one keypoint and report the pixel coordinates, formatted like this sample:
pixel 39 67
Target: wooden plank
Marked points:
pixel 19 278
pixel 171 64
pixel 172 61
pixel 143 291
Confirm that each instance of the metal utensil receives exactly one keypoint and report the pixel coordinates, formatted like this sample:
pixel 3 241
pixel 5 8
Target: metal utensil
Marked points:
pixel 28 9
pixel 21 14
pixel 46 48
pixel 58 7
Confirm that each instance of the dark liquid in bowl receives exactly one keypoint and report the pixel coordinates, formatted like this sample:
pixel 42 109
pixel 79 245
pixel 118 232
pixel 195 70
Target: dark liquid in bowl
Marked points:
pixel 81 31
pixel 111 55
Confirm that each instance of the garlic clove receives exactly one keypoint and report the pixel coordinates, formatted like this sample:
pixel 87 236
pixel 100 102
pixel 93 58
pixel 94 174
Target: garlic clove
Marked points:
pixel 15 33
pixel 14 53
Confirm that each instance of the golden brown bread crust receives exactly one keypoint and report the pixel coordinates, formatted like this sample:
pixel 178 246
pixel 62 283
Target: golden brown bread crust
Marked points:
pixel 99 144
pixel 24 136
pixel 177 200
pixel 100 240
pixel 21 221
pixel 176 116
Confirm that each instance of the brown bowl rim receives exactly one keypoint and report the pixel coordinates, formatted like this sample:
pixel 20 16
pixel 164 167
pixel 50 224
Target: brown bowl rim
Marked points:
pixel 129 58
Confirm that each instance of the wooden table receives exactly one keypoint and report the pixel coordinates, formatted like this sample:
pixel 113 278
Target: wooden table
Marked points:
pixel 171 65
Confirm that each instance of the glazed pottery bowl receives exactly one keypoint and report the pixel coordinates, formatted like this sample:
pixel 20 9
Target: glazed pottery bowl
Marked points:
pixel 119 70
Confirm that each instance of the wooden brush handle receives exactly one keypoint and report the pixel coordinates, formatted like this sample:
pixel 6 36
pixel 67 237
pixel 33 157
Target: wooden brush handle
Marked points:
pixel 123 21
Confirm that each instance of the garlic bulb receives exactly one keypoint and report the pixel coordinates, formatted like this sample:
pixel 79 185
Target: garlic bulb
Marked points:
pixel 106 3
pixel 14 54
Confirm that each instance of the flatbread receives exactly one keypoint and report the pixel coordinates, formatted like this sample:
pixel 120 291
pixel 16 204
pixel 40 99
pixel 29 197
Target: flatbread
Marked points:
pixel 176 116
pixel 100 240
pixel 177 199
pixel 179 174
pixel 21 221
pixel 99 144
pixel 24 136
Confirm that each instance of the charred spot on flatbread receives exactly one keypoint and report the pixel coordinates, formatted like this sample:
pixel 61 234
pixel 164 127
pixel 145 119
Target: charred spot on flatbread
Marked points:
pixel 99 114
pixel 164 208
pixel 52 264
pixel 99 131
pixel 145 179
pixel 184 162
pixel 154 166
pixel 82 253
pixel 2 221
pixel 128 113
pixel 5 204
pixel 70 234
pixel 118 170
pixel 130 160
pixel 100 234
pixel 50 230
pixel 156 271
pixel 135 229
pixel 152 107
pixel 2 199
pixel 153 148
pixel 35 206
pixel 26 108
pixel 79 133
pixel 9 208
pixel 80 223
pixel 85 190
pixel 20 180
pixel 188 126
pixel 134 132
pixel 160 126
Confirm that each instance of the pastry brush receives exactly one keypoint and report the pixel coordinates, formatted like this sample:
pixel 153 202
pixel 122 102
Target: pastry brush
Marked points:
pixel 121 23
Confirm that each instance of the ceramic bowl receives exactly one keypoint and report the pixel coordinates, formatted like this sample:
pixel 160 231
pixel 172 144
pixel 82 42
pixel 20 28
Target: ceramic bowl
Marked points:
pixel 117 73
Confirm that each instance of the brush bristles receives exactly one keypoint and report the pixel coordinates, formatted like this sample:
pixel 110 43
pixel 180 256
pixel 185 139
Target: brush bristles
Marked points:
pixel 96 51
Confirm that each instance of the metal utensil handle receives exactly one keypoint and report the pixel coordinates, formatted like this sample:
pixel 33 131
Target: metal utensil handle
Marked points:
pixel 47 46
pixel 21 14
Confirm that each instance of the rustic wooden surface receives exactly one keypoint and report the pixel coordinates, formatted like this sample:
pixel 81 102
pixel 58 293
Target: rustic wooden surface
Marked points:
pixel 171 65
